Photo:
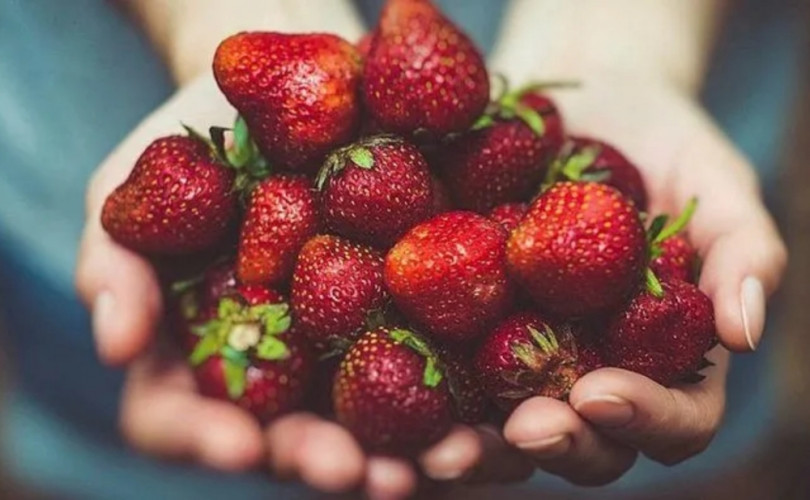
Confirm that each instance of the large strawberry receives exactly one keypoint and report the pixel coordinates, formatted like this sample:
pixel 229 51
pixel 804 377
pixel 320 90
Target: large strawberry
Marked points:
pixel 335 286
pixel 248 354
pixel 448 275
pixel 375 189
pixel 282 214
pixel 297 92
pixel 662 333
pixel 506 158
pixel 525 356
pixel 580 249
pixel 178 199
pixel 586 159
pixel 422 74
pixel 391 394
pixel 509 215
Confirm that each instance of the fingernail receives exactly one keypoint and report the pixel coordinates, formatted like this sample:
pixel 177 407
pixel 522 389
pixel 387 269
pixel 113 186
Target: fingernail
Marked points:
pixel 606 410
pixel 752 305
pixel 547 447
pixel 103 317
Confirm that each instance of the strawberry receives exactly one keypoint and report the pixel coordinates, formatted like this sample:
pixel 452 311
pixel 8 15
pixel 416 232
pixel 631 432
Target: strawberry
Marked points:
pixel 422 74
pixel 448 275
pixel 178 199
pixel 391 394
pixel 282 214
pixel 506 157
pixel 509 215
pixel 586 159
pixel 470 403
pixel 441 198
pixel 662 333
pixel 336 284
pixel 579 250
pixel 297 92
pixel 677 260
pixel 525 356
pixel 248 354
pixel 374 190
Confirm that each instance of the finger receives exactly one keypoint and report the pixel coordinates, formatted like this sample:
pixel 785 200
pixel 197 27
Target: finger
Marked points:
pixel 283 438
pixel 453 456
pixel 162 415
pixel 560 442
pixel 667 425
pixel 123 294
pixel 500 462
pixel 390 478
pixel 329 459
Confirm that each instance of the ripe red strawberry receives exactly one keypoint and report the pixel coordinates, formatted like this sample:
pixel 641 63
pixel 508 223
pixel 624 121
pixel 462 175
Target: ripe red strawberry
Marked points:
pixel 662 337
pixel 282 214
pixel 592 160
pixel 422 74
pixel 524 357
pixel 178 199
pixel 297 92
pixel 448 275
pixel 336 284
pixel 506 159
pixel 677 260
pixel 509 215
pixel 470 403
pixel 580 249
pixel 248 354
pixel 391 394
pixel 374 190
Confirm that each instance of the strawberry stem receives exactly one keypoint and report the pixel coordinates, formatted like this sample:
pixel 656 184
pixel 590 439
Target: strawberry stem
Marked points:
pixel 653 285
pixel 679 223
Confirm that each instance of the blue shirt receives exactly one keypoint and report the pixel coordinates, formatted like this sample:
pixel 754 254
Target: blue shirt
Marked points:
pixel 75 77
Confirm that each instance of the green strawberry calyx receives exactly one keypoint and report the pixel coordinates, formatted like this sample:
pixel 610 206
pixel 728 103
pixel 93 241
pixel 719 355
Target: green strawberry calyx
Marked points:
pixel 572 165
pixel 658 232
pixel 360 154
pixel 243 155
pixel 239 332
pixel 534 353
pixel 433 374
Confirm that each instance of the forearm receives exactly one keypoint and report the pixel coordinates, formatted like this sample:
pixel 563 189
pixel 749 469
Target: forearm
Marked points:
pixel 588 39
pixel 186 32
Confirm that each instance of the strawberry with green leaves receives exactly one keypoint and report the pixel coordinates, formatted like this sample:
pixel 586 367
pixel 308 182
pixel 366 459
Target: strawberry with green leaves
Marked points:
pixel 671 254
pixel 374 190
pixel 178 199
pixel 297 92
pixel 248 354
pixel 336 285
pixel 391 394
pixel 525 356
pixel 422 74
pixel 580 250
pixel 505 157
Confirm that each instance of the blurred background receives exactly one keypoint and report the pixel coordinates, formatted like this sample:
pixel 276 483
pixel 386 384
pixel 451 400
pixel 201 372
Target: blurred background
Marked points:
pixel 55 433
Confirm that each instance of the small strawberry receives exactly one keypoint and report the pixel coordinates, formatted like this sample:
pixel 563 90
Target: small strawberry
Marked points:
pixel 374 190
pixel 336 284
pixel 282 214
pixel 470 403
pixel 580 249
pixel 524 357
pixel 422 74
pixel 448 275
pixel 509 215
pixel 178 199
pixel 585 159
pixel 662 333
pixel 391 394
pixel 297 92
pixel 506 157
pixel 670 254
pixel 248 354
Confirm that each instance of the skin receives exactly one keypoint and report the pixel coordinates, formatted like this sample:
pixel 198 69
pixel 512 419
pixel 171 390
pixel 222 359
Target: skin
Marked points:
pixel 639 97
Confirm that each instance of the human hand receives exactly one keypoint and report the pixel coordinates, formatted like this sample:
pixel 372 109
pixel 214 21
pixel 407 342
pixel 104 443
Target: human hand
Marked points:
pixel 614 414
pixel 161 412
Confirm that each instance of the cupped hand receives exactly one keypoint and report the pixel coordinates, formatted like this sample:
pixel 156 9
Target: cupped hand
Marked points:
pixel 161 412
pixel 614 414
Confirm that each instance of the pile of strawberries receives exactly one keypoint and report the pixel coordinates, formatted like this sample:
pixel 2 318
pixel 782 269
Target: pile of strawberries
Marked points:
pixel 377 240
